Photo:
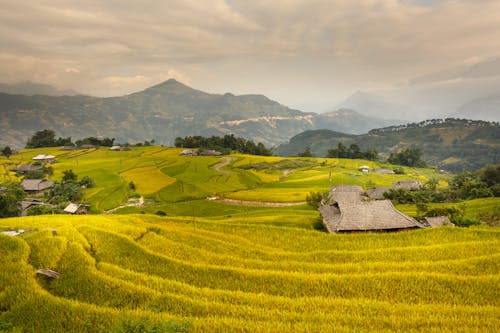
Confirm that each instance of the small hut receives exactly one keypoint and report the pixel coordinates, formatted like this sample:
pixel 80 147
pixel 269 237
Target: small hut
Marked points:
pixel 25 168
pixel 189 152
pixel 377 193
pixel 383 171
pixel 36 185
pixel 407 184
pixel 353 212
pixel 437 221
pixel 44 158
pixel 210 152
pixel 76 209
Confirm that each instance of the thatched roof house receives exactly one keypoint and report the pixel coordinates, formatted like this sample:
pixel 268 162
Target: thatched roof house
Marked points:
pixel 74 208
pixel 437 221
pixel 377 193
pixel 210 152
pixel 44 158
pixel 407 184
pixel 189 152
pixel 383 171
pixel 24 168
pixel 36 185
pixel 26 204
pixel 352 211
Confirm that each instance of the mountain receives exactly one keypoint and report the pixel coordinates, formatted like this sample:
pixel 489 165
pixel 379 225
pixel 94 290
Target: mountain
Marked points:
pixel 376 106
pixel 451 144
pixel 434 95
pixel 350 121
pixel 31 88
pixel 486 108
pixel 162 113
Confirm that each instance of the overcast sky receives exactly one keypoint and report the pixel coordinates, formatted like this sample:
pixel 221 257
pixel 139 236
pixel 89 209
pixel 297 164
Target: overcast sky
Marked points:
pixel 307 54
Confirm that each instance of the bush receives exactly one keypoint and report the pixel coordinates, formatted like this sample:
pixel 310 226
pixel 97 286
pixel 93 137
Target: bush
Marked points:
pixel 314 199
pixel 40 210
pixel 87 182
pixel 161 213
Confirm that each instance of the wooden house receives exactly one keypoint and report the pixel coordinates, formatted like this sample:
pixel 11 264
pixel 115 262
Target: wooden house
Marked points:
pixel 25 168
pixel 437 221
pixel 351 211
pixel 74 208
pixel 407 184
pixel 42 158
pixel 36 185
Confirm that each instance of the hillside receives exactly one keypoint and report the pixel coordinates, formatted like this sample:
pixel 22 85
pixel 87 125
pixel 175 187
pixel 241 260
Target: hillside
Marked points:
pixel 486 108
pixel 119 273
pixel 164 112
pixel 454 145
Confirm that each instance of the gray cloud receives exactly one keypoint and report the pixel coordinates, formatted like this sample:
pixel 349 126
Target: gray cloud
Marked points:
pixel 303 53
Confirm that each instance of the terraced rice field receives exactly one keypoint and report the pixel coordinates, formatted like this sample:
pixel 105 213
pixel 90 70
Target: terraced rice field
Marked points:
pixel 236 274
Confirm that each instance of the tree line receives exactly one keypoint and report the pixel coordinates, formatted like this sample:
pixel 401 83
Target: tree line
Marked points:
pixel 224 144
pixel 47 138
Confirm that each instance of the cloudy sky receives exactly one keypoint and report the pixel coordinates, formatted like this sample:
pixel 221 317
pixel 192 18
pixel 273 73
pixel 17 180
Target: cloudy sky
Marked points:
pixel 307 54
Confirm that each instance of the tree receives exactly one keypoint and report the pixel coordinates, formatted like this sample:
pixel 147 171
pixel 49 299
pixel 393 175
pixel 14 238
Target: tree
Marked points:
pixel 411 157
pixel 7 151
pixel 44 138
pixel 69 176
pixel 306 153
pixel 87 182
pixel 10 195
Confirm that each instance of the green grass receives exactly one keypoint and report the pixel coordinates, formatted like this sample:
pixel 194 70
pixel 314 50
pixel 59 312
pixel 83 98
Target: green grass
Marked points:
pixel 256 272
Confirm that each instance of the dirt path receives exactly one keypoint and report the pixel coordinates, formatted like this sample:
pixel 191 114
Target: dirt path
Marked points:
pixel 259 203
pixel 131 202
pixel 225 161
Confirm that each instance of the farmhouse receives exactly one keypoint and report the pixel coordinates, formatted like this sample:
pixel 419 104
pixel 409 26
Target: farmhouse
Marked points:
pixel 26 204
pixel 383 171
pixel 36 185
pixel 354 212
pixel 25 168
pixel 74 208
pixel 44 158
pixel 437 221
pixel 407 184
pixel 377 193
pixel 364 168
pixel 189 152
pixel 210 153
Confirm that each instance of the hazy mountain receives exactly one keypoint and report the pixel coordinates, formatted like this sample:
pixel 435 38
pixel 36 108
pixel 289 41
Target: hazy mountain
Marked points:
pixel 454 145
pixel 30 89
pixel 375 106
pixel 433 95
pixel 350 121
pixel 486 108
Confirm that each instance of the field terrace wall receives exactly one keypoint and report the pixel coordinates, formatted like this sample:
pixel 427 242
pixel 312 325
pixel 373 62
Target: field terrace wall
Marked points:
pixel 354 212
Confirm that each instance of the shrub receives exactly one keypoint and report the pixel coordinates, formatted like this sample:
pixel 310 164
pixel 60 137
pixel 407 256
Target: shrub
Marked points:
pixel 161 213
pixel 314 199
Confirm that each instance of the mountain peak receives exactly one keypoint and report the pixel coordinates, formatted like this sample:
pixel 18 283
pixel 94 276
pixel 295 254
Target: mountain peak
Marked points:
pixel 171 86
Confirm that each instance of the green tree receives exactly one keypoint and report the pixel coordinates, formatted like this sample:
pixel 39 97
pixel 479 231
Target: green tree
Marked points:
pixel 306 153
pixel 87 182
pixel 10 195
pixel 411 157
pixel 7 151
pixel 69 176
pixel 44 138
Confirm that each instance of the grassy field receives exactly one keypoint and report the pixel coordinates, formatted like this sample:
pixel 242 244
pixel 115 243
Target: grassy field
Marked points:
pixel 227 274
pixel 179 186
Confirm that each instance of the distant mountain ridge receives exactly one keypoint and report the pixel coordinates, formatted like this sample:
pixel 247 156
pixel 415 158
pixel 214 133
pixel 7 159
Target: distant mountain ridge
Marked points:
pixel 164 112
pixel 451 144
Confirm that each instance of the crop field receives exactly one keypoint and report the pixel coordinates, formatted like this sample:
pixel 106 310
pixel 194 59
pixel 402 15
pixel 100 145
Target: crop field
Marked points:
pixel 179 186
pixel 240 274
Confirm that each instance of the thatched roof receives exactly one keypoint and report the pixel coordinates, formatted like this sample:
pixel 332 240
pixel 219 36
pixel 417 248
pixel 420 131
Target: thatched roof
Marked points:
pixel 36 184
pixel 353 212
pixel 74 208
pixel 43 157
pixel 437 221
pixel 383 171
pixel 407 184
pixel 28 167
pixel 189 152
pixel 377 193
pixel 210 153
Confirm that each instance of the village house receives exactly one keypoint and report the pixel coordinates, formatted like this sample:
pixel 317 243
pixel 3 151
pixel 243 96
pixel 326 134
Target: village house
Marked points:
pixel 42 158
pixel 74 208
pixel 383 171
pixel 364 168
pixel 210 153
pixel 36 185
pixel 407 184
pixel 189 152
pixel 25 168
pixel 377 193
pixel 437 221
pixel 351 211
pixel 26 204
